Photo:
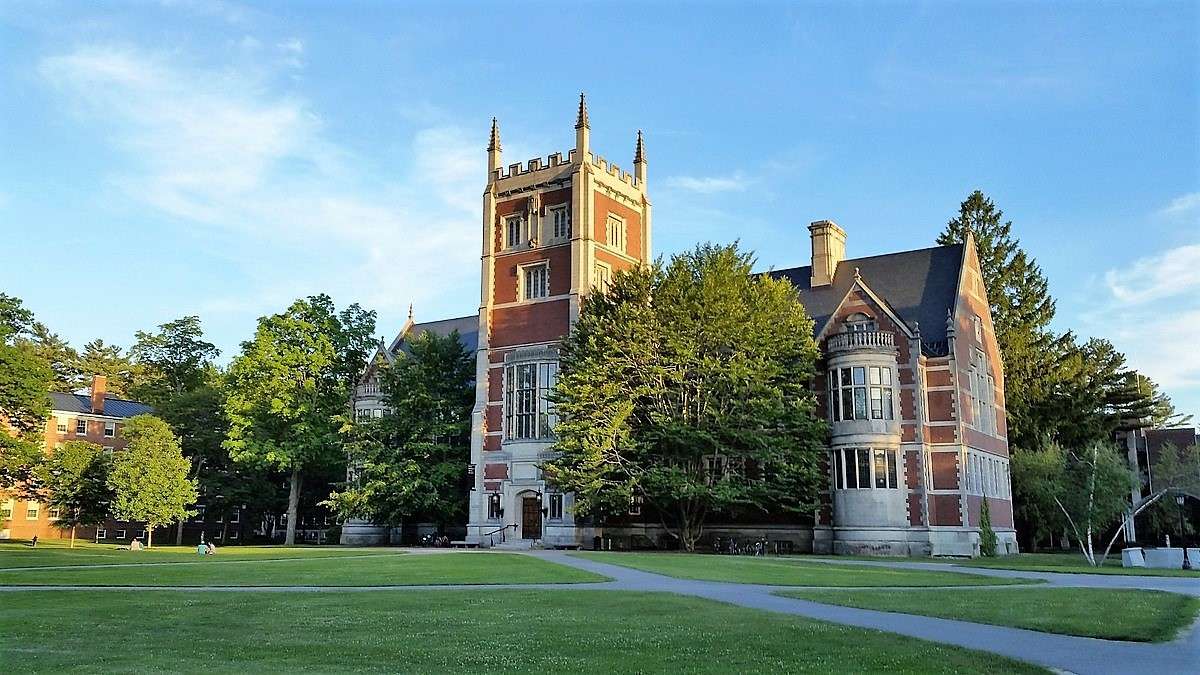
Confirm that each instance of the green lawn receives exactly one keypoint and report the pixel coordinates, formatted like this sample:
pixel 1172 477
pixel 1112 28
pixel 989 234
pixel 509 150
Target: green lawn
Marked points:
pixel 55 552
pixel 349 569
pixel 787 571
pixel 1111 614
pixel 1071 563
pixel 444 631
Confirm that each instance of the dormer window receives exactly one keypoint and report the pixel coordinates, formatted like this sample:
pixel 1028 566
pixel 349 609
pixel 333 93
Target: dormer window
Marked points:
pixel 859 322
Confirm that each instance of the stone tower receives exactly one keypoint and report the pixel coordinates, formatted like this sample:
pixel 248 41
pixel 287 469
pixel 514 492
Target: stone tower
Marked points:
pixel 553 230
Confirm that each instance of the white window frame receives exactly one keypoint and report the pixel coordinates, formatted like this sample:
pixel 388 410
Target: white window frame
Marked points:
pixel 54 513
pixel 523 280
pixel 615 232
pixel 101 533
pixel 110 429
pixel 559 231
pixel 635 505
pixel 233 535
pixel 7 508
pixel 120 534
pixel 878 384
pixel 893 469
pixel 35 508
pixel 60 425
pixel 520 422
pixel 79 423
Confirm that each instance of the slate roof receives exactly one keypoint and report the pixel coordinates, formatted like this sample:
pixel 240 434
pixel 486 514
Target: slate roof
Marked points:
pixel 82 403
pixel 919 286
pixel 1180 437
pixel 467 327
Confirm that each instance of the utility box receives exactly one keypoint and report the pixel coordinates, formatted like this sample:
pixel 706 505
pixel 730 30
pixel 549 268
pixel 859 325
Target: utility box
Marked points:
pixel 1133 557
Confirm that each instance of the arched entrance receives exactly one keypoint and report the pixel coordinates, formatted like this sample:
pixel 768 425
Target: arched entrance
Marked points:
pixel 531 515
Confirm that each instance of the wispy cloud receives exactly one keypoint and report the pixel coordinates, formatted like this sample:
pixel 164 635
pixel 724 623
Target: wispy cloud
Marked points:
pixel 1152 313
pixel 736 182
pixel 222 150
pixel 1183 207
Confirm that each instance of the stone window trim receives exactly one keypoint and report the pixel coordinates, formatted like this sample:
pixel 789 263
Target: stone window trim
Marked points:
pixel 987 474
pixel 555 506
pixel 528 377
pixel 533 281
pixel 514 231
pixel 858 323
pixel 865 468
pixel 602 276
pixel 559 217
pixel 615 232
pixel 495 506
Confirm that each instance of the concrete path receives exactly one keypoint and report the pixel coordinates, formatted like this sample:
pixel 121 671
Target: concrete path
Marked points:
pixel 1059 652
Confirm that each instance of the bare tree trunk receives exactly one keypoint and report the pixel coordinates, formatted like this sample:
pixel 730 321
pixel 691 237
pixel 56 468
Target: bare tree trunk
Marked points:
pixel 72 536
pixel 179 533
pixel 149 535
pixel 293 507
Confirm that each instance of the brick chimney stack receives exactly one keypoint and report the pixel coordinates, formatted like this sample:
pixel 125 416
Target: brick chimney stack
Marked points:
pixel 828 249
pixel 99 389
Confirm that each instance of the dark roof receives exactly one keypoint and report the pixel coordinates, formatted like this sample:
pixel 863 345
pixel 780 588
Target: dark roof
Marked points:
pixel 82 403
pixel 1157 438
pixel 467 327
pixel 920 286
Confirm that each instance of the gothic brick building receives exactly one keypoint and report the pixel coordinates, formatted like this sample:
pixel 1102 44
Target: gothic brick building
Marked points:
pixel 912 381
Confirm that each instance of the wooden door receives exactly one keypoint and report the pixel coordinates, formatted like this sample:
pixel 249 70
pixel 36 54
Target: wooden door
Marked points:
pixel 531 518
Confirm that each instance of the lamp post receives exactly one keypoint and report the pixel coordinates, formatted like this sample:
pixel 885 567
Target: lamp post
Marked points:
pixel 1187 564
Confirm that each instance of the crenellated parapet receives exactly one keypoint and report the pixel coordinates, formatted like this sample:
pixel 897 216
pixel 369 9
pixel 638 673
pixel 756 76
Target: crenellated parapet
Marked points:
pixel 612 169
pixel 553 161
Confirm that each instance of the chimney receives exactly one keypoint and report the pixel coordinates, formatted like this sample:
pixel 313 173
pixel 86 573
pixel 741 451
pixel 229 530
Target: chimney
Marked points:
pixel 99 388
pixel 828 249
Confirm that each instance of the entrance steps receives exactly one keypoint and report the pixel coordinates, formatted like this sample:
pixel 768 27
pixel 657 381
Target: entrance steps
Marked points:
pixel 516 545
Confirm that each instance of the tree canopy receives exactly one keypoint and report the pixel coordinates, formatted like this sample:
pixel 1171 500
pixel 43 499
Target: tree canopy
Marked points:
pixel 290 385
pixel 74 480
pixel 171 361
pixel 688 386
pixel 411 463
pixel 150 477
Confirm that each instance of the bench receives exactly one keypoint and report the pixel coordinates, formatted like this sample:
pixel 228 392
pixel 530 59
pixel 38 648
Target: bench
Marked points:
pixel 463 544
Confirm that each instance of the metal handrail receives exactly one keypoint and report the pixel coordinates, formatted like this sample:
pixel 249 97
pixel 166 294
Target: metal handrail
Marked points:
pixel 500 531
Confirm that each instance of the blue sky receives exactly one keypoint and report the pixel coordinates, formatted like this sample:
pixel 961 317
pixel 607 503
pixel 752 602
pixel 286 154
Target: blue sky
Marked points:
pixel 186 157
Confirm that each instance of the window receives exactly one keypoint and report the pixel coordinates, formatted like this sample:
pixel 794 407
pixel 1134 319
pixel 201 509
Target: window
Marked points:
pixel 377 413
pixel 32 510
pixel 978 324
pixel 61 425
pixel 864 468
pixel 635 506
pixel 981 386
pixel 535 281
pixel 120 534
pixel 6 510
pixel 236 516
pixel 142 534
pixel 54 514
pixel 556 506
pixel 494 510
pixel 859 322
pixel 528 414
pixel 514 227
pixel 714 468
pixel 560 218
pixel 81 427
pixel 615 231
pixel 363 415
pixel 101 533
pixel 110 429
pixel 603 275
pixel 861 392
pixel 233 535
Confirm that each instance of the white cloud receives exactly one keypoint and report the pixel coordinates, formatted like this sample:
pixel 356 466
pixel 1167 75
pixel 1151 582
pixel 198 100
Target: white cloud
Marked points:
pixel 1173 273
pixel 1183 207
pixel 222 151
pixel 709 184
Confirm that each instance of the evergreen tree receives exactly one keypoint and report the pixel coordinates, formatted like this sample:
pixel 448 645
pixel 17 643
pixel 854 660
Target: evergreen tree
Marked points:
pixel 688 387
pixel 62 357
pixel 149 478
pixel 987 536
pixel 411 464
pixel 171 361
pixel 98 358
pixel 290 386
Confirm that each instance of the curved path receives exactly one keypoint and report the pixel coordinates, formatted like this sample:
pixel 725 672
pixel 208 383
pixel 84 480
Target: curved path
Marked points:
pixel 1060 652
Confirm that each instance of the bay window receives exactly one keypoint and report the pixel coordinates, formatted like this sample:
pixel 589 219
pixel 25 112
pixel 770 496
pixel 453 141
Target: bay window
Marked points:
pixel 865 469
pixel 861 392
pixel 528 414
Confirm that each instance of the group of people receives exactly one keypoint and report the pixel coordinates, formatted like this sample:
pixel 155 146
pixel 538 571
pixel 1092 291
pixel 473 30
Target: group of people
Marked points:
pixel 206 548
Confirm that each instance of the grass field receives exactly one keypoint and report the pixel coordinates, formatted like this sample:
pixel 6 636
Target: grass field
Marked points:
pixel 1111 614
pixel 303 567
pixel 444 631
pixel 1067 563
pixel 787 571
pixel 56 552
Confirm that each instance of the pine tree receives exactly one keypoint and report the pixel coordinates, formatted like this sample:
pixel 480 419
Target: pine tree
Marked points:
pixel 987 536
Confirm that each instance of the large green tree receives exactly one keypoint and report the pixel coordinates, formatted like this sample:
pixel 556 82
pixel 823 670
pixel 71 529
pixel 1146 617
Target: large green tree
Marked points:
pixel 689 386
pixel 411 463
pixel 171 361
pixel 74 481
pixel 290 386
pixel 99 358
pixel 150 477
pixel 24 403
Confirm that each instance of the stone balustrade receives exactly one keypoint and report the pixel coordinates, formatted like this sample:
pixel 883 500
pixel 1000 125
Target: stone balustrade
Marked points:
pixel 873 340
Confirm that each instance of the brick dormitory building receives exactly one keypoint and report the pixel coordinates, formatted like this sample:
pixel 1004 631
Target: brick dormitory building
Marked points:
pixel 912 381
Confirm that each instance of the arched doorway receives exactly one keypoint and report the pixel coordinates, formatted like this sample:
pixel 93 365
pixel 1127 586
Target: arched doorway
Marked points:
pixel 531 515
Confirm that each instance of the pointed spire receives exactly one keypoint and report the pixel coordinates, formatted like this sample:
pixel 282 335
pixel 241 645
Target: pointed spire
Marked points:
pixel 581 120
pixel 494 141
pixel 639 152
pixel 410 311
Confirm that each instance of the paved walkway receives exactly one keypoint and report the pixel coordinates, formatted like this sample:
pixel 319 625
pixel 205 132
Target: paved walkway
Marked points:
pixel 1060 652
